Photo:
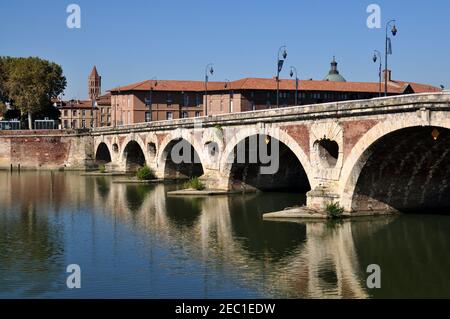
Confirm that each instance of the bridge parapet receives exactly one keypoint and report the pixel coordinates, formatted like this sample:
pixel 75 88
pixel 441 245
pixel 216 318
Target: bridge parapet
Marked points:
pixel 344 109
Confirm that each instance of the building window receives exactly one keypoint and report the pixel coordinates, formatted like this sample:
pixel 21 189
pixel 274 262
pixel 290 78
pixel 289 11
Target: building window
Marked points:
pixel 83 123
pixel 148 100
pixel 148 116
pixel 184 114
pixel 186 100
pixel 268 104
pixel 169 116
pixel 66 124
pixel 74 124
pixel 197 114
pixel 74 112
pixel 169 99
pixel 83 113
pixel 129 117
pixel 65 112
pixel 197 99
pixel 253 106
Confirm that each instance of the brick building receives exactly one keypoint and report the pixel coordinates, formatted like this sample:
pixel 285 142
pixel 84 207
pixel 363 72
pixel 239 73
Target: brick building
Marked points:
pixel 155 100
pixel 95 112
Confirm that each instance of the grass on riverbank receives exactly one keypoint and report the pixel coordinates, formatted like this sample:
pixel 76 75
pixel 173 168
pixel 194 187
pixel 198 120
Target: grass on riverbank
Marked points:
pixel 194 183
pixel 145 173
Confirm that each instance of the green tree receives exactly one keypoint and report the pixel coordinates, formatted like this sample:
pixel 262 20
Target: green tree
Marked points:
pixel 2 86
pixel 31 83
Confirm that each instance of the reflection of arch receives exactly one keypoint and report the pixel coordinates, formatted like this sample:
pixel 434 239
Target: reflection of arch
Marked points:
pixel 228 156
pixel 134 156
pixel 401 136
pixel 102 155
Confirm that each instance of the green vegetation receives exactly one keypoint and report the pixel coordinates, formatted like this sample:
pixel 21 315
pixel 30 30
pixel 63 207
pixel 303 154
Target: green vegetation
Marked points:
pixel 102 168
pixel 28 86
pixel 334 210
pixel 145 173
pixel 218 127
pixel 194 183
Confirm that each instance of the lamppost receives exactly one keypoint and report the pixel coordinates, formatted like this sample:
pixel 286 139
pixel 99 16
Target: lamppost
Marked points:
pixel 280 61
pixel 377 56
pixel 388 50
pixel 228 86
pixel 294 71
pixel 208 69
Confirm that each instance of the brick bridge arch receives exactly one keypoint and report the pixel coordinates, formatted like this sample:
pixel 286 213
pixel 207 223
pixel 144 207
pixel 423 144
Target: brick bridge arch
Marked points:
pixel 165 147
pixel 361 152
pixel 227 155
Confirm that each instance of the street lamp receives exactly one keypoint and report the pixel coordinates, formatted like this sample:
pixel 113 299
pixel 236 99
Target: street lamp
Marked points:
pixel 377 56
pixel 281 51
pixel 294 71
pixel 228 86
pixel 208 69
pixel 388 50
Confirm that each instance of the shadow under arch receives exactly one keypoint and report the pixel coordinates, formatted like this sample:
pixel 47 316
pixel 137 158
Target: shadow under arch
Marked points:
pixel 134 156
pixel 249 161
pixel 102 155
pixel 405 170
pixel 181 160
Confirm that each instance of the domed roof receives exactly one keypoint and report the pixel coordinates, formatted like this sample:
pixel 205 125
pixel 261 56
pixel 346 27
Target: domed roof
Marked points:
pixel 333 75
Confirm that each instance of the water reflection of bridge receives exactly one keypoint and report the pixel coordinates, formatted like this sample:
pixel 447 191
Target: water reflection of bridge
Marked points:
pixel 225 236
pixel 291 259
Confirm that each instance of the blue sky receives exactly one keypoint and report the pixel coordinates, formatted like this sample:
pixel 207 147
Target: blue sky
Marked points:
pixel 134 40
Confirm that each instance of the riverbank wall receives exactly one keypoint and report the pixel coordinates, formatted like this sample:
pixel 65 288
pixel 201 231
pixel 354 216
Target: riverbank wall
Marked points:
pixel 46 149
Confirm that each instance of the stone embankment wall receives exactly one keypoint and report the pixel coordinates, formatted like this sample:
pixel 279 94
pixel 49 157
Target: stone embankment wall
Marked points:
pixel 46 149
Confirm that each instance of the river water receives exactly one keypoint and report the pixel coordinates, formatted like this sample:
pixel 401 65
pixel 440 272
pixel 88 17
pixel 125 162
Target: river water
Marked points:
pixel 135 241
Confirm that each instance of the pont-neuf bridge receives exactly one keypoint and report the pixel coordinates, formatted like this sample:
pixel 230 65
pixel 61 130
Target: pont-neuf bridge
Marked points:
pixel 369 155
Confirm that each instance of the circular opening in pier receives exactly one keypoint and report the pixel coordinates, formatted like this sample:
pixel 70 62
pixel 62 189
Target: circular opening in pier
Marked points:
pixel 327 152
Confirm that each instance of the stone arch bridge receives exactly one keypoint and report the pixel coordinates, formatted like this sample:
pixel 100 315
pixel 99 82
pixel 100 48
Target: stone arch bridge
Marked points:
pixel 370 155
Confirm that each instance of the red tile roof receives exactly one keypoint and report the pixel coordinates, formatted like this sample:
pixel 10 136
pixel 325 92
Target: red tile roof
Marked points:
pixel 396 87
pixel 104 100
pixel 170 85
pixel 77 104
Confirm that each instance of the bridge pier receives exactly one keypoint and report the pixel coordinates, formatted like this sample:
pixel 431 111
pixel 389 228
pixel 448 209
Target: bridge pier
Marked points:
pixel 318 198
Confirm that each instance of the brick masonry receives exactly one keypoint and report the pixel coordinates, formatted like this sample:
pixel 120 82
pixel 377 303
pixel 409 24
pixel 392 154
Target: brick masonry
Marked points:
pixel 45 150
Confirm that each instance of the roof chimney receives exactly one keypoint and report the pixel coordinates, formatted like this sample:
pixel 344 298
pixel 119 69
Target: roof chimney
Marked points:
pixel 387 74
